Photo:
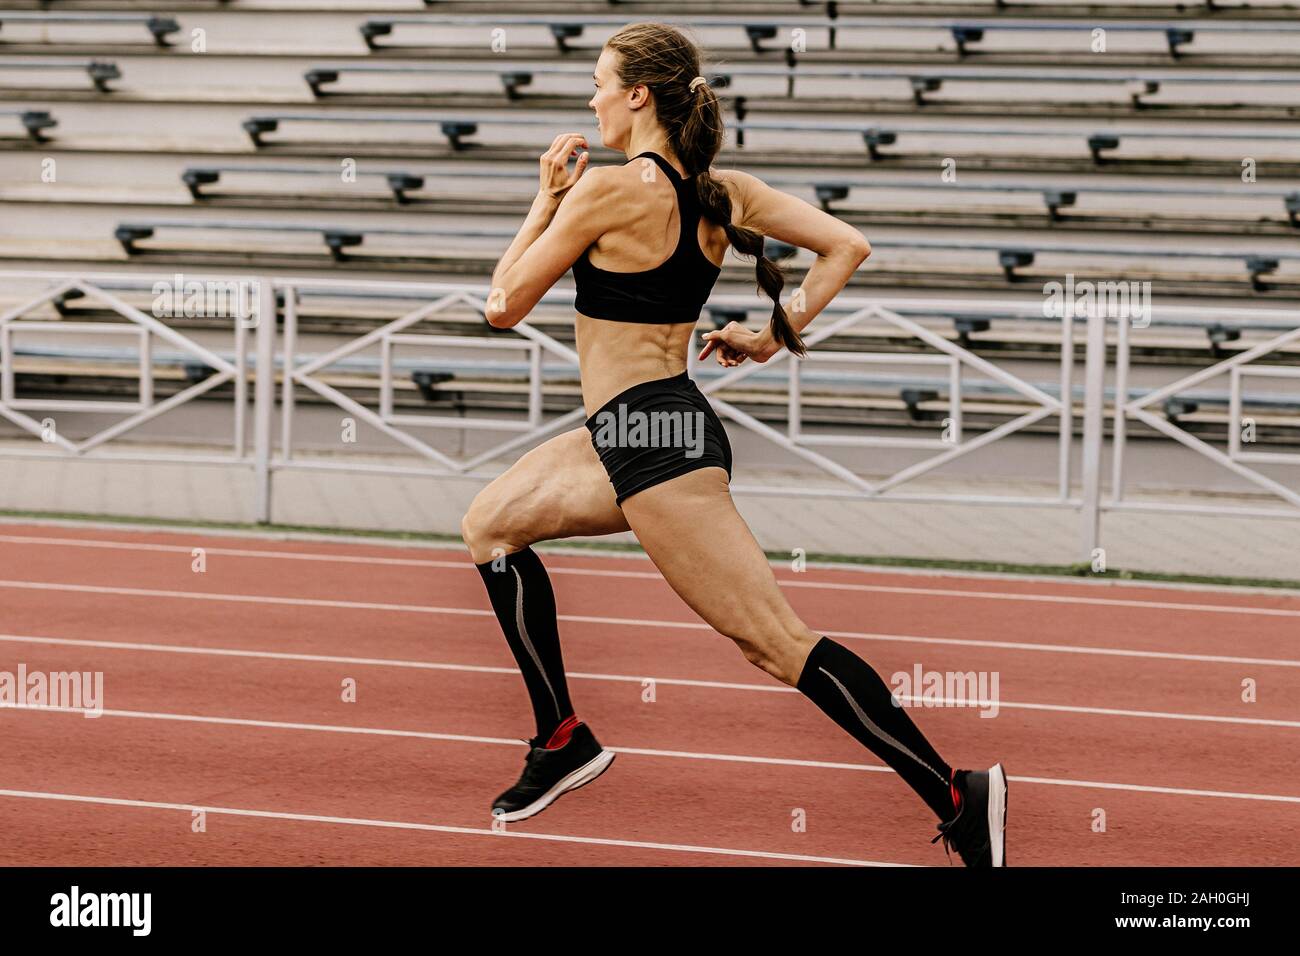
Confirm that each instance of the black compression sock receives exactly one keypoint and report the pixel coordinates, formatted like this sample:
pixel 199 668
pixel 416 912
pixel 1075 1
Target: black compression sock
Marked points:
pixel 852 694
pixel 521 595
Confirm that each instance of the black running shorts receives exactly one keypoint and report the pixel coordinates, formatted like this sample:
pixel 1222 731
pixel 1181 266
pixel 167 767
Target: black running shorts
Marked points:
pixel 655 431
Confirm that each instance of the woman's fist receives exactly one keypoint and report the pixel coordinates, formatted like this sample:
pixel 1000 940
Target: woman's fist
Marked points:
pixel 734 343
pixel 555 175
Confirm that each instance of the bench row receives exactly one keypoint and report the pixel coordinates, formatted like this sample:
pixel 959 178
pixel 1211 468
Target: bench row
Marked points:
pixel 337 239
pixel 964 33
pixel 875 134
pixel 515 77
pixel 563 28
pixel 401 183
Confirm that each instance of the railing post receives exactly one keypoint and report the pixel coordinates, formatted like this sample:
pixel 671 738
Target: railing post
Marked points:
pixel 1094 424
pixel 263 400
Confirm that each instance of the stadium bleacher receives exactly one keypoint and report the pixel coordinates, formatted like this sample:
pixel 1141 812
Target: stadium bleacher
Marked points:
pixel 963 138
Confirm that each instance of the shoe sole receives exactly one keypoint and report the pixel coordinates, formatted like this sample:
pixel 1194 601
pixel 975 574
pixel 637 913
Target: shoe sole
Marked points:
pixel 997 806
pixel 572 781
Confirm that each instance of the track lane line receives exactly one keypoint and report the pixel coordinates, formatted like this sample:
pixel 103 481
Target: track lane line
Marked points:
pixel 655 576
pixel 640 678
pixel 626 622
pixel 679 754
pixel 437 828
pixel 434 665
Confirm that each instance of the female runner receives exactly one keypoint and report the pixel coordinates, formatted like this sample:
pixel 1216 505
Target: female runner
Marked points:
pixel 646 241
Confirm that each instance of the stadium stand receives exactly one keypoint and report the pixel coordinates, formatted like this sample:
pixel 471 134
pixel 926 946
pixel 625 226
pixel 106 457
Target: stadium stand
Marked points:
pixel 411 148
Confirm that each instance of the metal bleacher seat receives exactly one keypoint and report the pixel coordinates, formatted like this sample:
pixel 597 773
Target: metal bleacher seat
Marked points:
pixel 454 128
pixel 1010 256
pixel 918 82
pixel 828 192
pixel 1054 197
pixel 876 134
pixel 398 181
pixel 159 27
pixel 335 238
pixel 963 33
pixel 99 72
pixel 34 122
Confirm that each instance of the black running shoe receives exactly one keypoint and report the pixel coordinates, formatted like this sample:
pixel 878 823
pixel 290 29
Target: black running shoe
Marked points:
pixel 549 773
pixel 978 831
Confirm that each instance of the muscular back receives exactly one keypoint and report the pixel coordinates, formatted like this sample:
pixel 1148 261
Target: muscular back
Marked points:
pixel 616 355
pixel 622 220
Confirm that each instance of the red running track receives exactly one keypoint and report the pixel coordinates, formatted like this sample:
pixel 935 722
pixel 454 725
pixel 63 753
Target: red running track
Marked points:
pixel 225 737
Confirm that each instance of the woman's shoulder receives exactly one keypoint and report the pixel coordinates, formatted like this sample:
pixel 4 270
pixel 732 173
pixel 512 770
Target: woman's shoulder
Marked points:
pixel 611 183
pixel 743 188
pixel 735 178
pixel 598 191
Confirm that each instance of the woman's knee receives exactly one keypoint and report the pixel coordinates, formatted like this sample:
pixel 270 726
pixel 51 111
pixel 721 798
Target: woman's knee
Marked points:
pixel 780 653
pixel 491 523
pixel 758 650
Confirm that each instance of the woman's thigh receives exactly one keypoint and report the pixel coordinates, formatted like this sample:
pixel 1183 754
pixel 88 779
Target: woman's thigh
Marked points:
pixel 690 528
pixel 557 490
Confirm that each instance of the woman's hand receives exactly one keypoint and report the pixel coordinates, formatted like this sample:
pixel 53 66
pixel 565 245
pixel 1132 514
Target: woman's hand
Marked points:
pixel 734 343
pixel 556 178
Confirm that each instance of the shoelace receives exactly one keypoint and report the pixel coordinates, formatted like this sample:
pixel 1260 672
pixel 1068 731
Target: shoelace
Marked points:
pixel 949 838
pixel 947 829
pixel 526 776
pixel 530 763
pixel 953 832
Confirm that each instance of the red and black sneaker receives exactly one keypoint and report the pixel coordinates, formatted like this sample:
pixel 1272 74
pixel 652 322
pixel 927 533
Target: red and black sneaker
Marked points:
pixel 979 830
pixel 551 771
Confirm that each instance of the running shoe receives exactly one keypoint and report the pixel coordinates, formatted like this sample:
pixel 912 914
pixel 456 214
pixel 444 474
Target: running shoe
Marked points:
pixel 979 830
pixel 549 773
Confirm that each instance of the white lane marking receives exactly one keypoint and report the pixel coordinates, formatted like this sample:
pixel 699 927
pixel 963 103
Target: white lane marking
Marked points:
pixel 655 576
pixel 627 678
pixel 250 598
pixel 637 622
pixel 731 758
pixel 1065 649
pixel 374 661
pixel 435 828
pixel 562 549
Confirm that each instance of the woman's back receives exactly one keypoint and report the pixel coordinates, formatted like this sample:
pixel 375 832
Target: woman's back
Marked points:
pixel 646 240
pixel 641 285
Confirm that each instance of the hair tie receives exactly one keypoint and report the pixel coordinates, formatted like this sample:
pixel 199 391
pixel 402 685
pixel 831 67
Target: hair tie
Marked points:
pixel 696 82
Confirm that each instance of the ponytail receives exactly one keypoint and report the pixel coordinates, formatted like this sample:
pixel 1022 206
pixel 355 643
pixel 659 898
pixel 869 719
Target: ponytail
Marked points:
pixel 715 202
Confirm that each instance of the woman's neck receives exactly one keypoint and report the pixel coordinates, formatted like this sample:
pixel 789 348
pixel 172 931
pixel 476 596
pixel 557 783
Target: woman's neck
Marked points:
pixel 650 145
pixel 663 150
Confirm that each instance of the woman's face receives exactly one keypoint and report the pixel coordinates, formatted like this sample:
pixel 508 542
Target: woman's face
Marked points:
pixel 615 106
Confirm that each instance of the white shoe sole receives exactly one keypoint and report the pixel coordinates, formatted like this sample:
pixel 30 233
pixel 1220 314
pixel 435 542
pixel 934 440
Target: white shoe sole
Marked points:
pixel 577 778
pixel 998 815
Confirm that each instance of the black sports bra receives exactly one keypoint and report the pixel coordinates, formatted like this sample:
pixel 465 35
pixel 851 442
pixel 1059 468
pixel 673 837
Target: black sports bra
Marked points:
pixel 673 291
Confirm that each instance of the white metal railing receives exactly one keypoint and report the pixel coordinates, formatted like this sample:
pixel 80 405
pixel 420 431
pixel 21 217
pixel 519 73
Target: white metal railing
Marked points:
pixel 141 326
pixel 532 341
pixel 536 349
pixel 953 357
pixel 1126 408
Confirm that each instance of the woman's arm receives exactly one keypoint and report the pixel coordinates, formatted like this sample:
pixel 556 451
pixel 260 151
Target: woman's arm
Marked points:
pixel 563 221
pixel 840 249
pixel 539 217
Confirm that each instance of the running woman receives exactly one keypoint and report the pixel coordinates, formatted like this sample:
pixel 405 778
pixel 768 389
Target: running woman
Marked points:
pixel 646 241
